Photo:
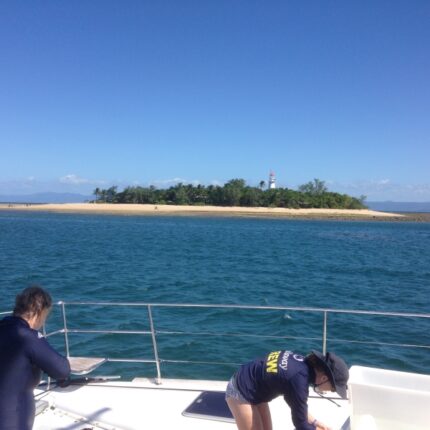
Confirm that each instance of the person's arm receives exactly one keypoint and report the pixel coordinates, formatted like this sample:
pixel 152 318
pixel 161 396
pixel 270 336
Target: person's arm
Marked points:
pixel 297 398
pixel 47 359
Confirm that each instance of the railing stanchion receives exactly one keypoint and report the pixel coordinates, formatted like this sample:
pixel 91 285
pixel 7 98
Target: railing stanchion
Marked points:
pixel 324 346
pixel 66 336
pixel 154 344
pixel 48 386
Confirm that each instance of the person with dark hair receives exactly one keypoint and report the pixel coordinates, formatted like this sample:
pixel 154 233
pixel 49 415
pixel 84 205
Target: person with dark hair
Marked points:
pixel 284 373
pixel 24 354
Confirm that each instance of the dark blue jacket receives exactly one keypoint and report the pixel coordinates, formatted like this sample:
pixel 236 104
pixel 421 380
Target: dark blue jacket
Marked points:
pixel 24 353
pixel 279 373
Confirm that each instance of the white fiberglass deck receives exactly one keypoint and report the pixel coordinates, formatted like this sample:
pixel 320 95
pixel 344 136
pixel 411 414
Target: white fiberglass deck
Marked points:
pixel 142 404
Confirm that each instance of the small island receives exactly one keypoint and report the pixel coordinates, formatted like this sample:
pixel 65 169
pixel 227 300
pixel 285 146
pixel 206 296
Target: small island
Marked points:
pixel 235 193
pixel 311 201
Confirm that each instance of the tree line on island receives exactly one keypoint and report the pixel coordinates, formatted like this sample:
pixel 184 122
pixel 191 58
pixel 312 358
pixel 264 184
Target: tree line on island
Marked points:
pixel 235 192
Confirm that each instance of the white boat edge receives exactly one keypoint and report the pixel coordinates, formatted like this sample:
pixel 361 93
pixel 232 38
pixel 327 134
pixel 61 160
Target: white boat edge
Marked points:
pixel 144 404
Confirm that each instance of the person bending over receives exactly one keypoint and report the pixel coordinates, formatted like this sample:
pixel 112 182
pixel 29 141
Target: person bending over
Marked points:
pixel 24 354
pixel 290 375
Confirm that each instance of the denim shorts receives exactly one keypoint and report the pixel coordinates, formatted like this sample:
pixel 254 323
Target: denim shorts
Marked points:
pixel 232 391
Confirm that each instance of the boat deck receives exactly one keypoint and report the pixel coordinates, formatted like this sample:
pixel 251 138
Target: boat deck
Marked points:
pixel 142 404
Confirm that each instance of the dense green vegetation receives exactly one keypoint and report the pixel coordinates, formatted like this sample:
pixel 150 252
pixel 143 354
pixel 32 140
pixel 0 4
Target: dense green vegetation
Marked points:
pixel 235 192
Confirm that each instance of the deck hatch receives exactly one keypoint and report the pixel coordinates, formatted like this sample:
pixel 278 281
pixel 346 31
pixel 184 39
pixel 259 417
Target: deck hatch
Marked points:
pixel 209 405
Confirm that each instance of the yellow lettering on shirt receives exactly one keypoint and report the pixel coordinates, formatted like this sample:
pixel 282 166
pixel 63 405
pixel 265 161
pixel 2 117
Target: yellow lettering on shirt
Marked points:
pixel 272 362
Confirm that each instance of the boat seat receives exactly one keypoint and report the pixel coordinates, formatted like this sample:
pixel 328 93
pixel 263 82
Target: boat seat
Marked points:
pixel 85 365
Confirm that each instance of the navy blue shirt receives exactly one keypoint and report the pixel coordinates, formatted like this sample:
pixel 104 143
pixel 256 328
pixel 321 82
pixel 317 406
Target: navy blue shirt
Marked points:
pixel 279 373
pixel 24 353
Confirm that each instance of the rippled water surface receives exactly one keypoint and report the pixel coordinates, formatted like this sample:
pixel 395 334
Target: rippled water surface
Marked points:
pixel 325 264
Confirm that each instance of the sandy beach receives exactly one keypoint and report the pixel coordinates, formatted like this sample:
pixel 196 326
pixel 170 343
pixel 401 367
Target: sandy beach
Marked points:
pixel 140 209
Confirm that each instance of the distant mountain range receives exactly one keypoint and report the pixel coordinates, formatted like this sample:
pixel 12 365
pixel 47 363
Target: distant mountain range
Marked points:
pixel 45 198
pixel 387 206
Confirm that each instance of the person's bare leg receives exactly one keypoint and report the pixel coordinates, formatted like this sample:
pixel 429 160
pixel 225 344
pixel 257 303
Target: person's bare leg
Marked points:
pixel 266 418
pixel 247 416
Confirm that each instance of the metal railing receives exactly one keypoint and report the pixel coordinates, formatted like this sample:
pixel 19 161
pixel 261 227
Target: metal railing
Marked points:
pixel 153 332
pixel 5 313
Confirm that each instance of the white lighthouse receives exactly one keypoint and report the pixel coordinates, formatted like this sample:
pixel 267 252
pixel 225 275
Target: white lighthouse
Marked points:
pixel 272 181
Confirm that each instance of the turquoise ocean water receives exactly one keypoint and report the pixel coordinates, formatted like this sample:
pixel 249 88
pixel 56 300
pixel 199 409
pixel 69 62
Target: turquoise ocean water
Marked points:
pixel 378 266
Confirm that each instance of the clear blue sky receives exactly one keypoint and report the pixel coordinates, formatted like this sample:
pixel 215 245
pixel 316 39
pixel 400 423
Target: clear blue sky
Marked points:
pixel 95 93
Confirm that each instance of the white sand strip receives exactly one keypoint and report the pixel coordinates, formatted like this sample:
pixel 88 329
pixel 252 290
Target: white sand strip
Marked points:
pixel 147 209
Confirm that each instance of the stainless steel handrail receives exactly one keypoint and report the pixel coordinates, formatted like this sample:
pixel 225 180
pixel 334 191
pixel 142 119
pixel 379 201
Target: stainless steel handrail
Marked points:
pixel 226 306
pixel 66 337
pixel 154 333
pixel 325 312
pixel 154 344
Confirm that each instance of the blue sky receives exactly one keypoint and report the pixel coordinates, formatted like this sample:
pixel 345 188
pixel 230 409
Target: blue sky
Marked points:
pixel 95 93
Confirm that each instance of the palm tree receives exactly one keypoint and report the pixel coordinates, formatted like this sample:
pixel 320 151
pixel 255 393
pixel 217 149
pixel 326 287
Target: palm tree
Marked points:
pixel 96 192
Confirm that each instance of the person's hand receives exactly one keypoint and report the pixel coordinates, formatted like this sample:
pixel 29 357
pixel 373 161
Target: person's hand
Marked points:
pixel 322 426
pixel 318 424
